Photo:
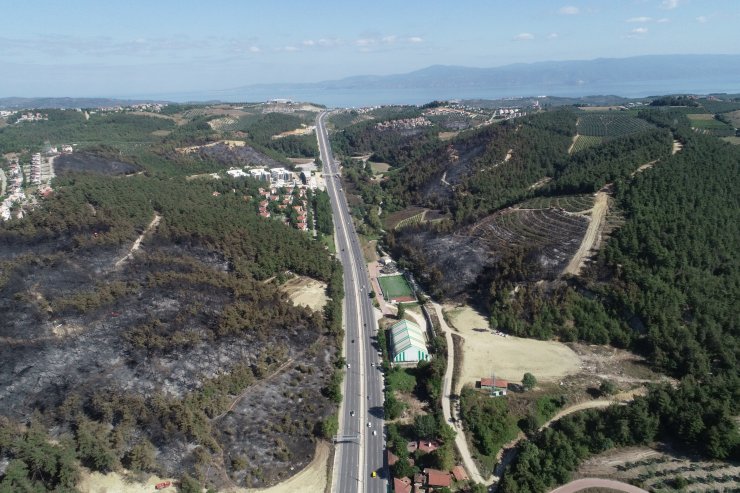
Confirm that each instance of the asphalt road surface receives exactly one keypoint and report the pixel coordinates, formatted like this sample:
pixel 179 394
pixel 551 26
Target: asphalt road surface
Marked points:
pixel 359 452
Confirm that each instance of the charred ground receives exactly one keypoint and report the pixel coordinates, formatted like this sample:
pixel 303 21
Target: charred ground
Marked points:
pixel 171 354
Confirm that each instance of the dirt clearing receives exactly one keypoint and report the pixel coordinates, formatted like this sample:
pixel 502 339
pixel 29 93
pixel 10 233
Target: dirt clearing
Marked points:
pixel 305 291
pixel 312 479
pixel 509 357
pixel 677 146
pixel 94 482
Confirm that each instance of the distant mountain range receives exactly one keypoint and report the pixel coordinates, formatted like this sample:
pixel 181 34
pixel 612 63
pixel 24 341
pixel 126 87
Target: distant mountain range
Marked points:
pixel 632 77
pixel 576 73
pixel 629 77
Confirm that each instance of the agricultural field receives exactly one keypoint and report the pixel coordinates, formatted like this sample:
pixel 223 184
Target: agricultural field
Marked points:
pixel 732 140
pixel 584 142
pixel 705 120
pixel 392 220
pixel 655 470
pixel 553 234
pixel 395 288
pixel 610 125
pixel 734 117
pixel 713 106
pixel 569 203
pixel 409 221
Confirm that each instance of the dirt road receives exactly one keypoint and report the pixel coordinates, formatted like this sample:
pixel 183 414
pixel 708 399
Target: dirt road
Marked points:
pixel 582 484
pixel 460 442
pixel 592 234
pixel 137 243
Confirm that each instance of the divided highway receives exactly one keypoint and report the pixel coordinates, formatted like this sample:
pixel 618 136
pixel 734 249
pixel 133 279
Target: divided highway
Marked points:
pixel 361 444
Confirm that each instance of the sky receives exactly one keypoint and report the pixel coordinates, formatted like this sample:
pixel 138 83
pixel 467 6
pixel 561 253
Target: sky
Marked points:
pixel 99 48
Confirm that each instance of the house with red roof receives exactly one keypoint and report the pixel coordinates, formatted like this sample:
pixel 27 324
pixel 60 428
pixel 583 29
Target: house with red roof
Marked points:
pixel 402 485
pixel 497 386
pixel 437 478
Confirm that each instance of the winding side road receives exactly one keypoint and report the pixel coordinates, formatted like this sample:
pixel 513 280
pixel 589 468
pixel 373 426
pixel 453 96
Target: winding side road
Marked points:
pixel 582 484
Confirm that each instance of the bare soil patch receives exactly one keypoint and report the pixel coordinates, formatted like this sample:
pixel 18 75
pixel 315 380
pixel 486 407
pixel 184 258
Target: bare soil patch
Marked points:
pixel 95 482
pixel 700 116
pixel 509 357
pixel 379 167
pixel 447 135
pixel 305 291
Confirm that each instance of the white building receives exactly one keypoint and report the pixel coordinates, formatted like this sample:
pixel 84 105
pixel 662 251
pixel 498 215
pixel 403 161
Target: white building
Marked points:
pixel 260 174
pixel 236 173
pixel 408 343
pixel 281 174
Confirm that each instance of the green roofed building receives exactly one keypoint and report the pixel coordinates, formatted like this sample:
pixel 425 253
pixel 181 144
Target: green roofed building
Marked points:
pixel 408 343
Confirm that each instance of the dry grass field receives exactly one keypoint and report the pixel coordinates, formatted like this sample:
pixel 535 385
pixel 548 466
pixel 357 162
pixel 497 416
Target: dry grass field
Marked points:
pixel 509 357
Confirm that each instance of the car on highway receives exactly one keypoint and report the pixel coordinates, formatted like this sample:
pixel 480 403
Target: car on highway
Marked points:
pixel 351 413
pixel 375 432
pixel 348 365
pixel 369 424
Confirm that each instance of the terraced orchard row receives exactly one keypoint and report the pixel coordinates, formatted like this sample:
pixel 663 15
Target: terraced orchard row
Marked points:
pixel 552 233
pixel 568 203
pixel 585 141
pixel 610 125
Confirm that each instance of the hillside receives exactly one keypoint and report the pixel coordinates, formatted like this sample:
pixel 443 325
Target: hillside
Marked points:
pixel 143 322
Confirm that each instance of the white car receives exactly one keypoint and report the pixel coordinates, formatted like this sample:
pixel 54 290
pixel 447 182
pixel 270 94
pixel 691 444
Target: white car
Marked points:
pixel 375 432
pixel 351 413
pixel 348 365
pixel 369 424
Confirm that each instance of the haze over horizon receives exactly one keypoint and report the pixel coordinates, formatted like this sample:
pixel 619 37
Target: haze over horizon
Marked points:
pixel 90 49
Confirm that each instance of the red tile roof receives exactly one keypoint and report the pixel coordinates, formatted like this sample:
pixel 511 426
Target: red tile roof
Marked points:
pixel 402 485
pixel 498 383
pixel 438 478
pixel 459 473
pixel 427 446
pixel 392 458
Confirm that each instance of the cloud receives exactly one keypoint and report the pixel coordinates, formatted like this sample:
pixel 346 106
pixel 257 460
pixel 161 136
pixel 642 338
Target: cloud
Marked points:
pixel 663 20
pixel 415 39
pixel 638 32
pixel 290 48
pixel 524 37
pixel 389 40
pixel 569 10
pixel 329 42
pixel 308 42
pixel 669 4
pixel 553 36
pixel 254 49
pixel 641 20
pixel 366 41
pixel 702 19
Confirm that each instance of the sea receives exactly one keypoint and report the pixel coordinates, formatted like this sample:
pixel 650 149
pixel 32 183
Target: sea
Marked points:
pixel 359 97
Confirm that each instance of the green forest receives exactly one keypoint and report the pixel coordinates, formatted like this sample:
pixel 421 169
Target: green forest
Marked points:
pixel 664 285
